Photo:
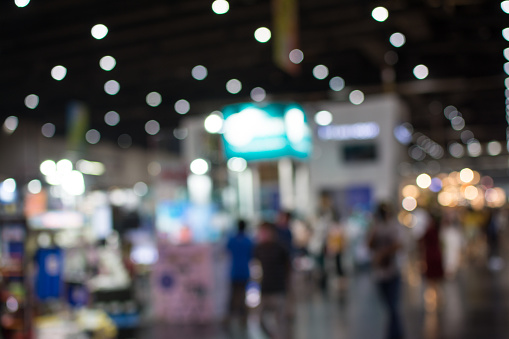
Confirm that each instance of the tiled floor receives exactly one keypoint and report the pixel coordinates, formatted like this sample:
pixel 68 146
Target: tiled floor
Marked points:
pixel 474 305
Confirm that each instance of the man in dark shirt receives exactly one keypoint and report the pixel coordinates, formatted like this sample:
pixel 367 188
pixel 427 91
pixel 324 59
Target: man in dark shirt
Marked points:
pixel 274 260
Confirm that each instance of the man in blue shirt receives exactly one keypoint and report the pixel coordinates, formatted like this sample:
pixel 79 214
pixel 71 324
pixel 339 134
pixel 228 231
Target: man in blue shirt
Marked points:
pixel 240 247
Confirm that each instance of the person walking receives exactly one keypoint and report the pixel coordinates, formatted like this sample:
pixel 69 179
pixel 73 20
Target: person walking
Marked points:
pixel 385 242
pixel 240 246
pixel 275 264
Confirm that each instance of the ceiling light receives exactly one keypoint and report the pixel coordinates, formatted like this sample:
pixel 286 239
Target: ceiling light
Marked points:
pixel 380 14
pixel 99 31
pixel 182 106
pixel 199 72
pixel 337 84
pixel 58 72
pixel 112 118
pixel 152 127
pixel 111 87
pixel 220 6
pixel 21 3
pixel 356 97
pixel 421 72
pixel 323 118
pixel 107 63
pixel 154 99
pixel 258 94
pixel 93 136
pixel 397 39
pixel 234 86
pixel 296 56
pixel 320 72
pixel 48 130
pixel 31 101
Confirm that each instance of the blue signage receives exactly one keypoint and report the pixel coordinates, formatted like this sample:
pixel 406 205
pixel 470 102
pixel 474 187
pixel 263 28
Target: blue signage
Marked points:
pixel 266 131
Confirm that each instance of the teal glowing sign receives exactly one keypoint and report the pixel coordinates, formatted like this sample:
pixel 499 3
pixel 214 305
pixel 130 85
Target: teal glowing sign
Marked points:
pixel 266 131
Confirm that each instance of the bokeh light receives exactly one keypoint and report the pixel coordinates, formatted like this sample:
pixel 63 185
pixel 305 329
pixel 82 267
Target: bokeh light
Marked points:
pixel 494 148
pixel 320 72
pixel 337 84
pixel 180 133
pixel 436 185
pixel 456 150
pixel 31 101
pixel 262 34
pixel 154 99
pixel 199 72
pixel 99 31
pixel 58 72
pixel 93 136
pixel 112 118
pixel 152 127
pixel 296 56
pixel 107 63
pixel 140 189
pixel 220 6
pixel 124 141
pixel 21 3
pixel 505 33
pixel 466 175
pixel 474 148
pixel 10 124
pixel 199 166
pixel 111 87
pixel 213 123
pixel 323 118
pixel 421 72
pixel 233 86
pixel 34 186
pixel 48 130
pixel 182 106
pixel 356 97
pixel 423 180
pixel 505 6
pixel 237 164
pixel 48 167
pixel 471 192
pixel 258 94
pixel 397 39
pixel 411 191
pixel 380 14
pixel 409 204
pixel 154 168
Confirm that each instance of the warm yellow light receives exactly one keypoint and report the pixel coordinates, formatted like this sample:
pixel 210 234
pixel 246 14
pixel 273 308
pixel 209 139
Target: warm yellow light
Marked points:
pixel 409 204
pixel 476 179
pixel 466 175
pixel 423 180
pixel 471 192
pixel 410 191
pixel 445 198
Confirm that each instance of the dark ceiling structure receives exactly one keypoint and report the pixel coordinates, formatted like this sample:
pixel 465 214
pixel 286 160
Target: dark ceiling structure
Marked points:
pixel 156 44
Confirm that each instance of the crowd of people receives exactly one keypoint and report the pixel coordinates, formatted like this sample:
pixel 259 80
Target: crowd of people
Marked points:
pixel 436 244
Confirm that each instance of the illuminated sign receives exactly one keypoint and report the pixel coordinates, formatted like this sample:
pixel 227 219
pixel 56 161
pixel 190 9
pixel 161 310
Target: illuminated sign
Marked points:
pixel 270 131
pixel 358 131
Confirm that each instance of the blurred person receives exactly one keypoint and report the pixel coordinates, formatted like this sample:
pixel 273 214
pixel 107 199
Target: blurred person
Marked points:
pixel 275 264
pixel 472 223
pixel 327 216
pixel 284 231
pixel 452 239
pixel 492 230
pixel 336 240
pixel 432 262
pixel 385 243
pixel 240 247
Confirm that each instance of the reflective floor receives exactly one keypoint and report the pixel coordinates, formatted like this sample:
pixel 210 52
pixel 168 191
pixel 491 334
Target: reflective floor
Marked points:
pixel 473 305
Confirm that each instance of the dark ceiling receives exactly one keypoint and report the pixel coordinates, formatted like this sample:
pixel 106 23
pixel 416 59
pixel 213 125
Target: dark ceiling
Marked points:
pixel 156 43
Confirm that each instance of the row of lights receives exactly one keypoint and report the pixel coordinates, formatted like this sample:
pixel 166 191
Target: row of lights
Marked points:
pixel 505 33
pixel 233 86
